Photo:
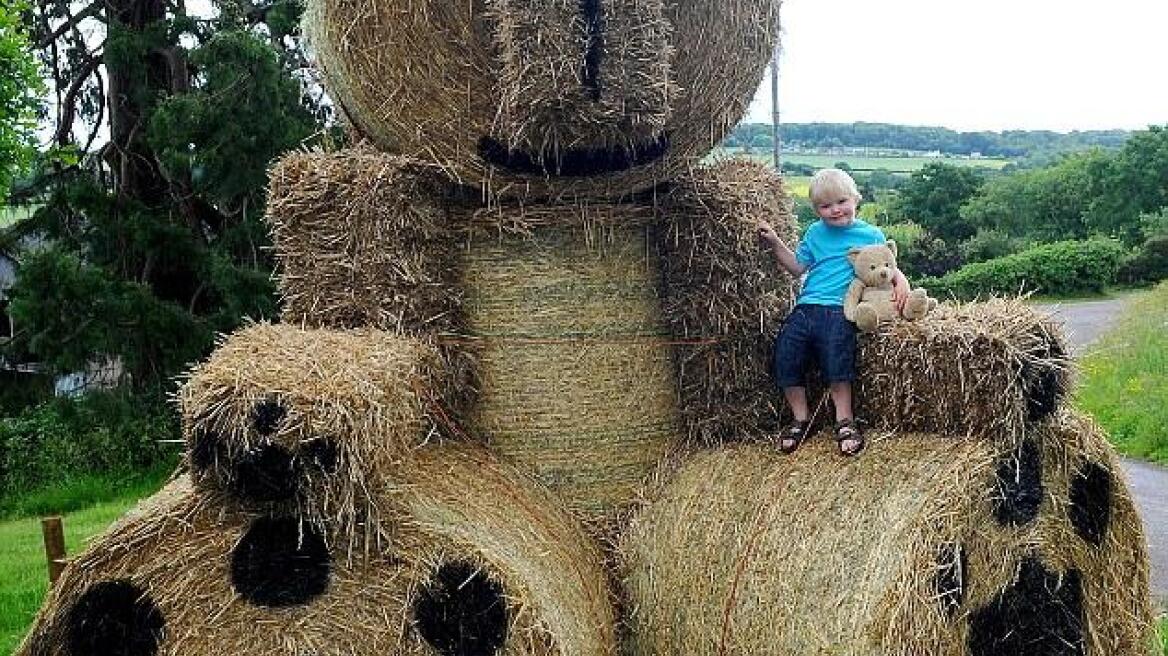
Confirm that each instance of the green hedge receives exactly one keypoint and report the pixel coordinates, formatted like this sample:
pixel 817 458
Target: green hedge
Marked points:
pixel 1148 264
pixel 1065 267
pixel 100 433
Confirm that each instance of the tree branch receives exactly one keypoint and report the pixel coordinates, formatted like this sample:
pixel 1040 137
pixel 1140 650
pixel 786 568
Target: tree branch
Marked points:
pixel 69 102
pixel 71 22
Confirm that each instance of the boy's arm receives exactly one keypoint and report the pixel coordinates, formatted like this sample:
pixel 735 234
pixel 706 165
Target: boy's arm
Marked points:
pixel 782 253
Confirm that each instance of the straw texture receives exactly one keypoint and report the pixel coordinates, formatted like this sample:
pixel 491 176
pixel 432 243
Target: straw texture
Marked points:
pixel 723 296
pixel 465 513
pixel 896 552
pixel 311 421
pixel 988 369
pixel 545 99
pixel 573 357
pixel 363 240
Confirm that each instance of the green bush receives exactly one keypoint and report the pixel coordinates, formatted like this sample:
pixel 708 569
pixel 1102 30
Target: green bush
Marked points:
pixel 1066 267
pixel 928 255
pixel 989 245
pixel 1148 264
pixel 904 234
pixel 99 433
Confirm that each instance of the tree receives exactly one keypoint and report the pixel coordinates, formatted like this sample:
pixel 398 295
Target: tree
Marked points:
pixel 20 89
pixel 1132 183
pixel 933 196
pixel 154 234
pixel 1047 204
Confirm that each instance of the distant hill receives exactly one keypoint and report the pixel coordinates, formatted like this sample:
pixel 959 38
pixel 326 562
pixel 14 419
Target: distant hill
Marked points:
pixel 1015 144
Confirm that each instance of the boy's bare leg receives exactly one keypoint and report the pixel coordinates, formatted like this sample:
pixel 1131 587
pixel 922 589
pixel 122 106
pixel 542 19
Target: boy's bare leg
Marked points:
pixel 841 398
pixel 797 400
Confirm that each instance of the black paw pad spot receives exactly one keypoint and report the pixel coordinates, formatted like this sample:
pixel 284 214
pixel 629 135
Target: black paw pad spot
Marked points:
pixel 1040 614
pixel 1018 488
pixel 267 473
pixel 950 581
pixel 1045 381
pixel 280 562
pixel 320 452
pixel 114 618
pixel 461 612
pixel 266 416
pixel 1090 509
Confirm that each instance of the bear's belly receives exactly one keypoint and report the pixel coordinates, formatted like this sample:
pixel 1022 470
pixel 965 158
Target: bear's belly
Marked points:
pixel 576 379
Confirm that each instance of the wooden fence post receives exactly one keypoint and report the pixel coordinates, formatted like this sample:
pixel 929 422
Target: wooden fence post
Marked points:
pixel 54 535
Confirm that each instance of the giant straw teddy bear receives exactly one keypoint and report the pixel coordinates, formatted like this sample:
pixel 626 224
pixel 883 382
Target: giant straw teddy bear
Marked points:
pixel 517 400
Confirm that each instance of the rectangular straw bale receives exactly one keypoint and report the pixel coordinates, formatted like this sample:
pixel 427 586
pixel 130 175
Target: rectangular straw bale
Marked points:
pixel 362 240
pixel 986 369
pixel 723 295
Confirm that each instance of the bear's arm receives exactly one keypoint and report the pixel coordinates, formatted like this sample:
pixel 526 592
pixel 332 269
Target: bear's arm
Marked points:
pixel 362 239
pixel 723 296
pixel 852 299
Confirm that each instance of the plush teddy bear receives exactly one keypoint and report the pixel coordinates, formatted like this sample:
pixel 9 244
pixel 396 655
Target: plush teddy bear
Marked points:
pixel 869 298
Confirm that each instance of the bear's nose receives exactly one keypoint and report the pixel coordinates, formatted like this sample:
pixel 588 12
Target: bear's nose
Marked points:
pixel 266 473
pixel 581 72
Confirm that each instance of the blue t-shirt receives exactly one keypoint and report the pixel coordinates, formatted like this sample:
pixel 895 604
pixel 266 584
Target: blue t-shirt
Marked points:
pixel 824 251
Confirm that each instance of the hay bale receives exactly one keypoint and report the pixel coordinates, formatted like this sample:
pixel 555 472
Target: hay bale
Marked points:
pixel 362 240
pixel 991 369
pixel 311 421
pixel 724 297
pixel 486 564
pixel 573 356
pixel 896 552
pixel 551 96
pixel 545 99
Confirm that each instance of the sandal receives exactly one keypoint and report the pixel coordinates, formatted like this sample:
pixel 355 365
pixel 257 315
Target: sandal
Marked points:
pixel 847 431
pixel 793 435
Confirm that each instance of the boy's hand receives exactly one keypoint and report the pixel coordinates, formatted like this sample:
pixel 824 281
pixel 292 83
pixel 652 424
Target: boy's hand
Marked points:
pixel 767 233
pixel 899 292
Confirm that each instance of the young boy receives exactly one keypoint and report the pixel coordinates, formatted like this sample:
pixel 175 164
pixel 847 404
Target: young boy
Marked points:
pixel 817 325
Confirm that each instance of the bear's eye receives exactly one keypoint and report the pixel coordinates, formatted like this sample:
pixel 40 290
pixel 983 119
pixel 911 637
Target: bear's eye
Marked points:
pixel 873 267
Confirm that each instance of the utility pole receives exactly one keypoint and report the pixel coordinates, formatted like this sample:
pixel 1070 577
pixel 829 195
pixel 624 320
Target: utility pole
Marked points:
pixel 776 144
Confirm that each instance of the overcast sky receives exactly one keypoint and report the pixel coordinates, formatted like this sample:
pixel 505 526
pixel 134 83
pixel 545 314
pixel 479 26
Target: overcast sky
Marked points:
pixel 973 65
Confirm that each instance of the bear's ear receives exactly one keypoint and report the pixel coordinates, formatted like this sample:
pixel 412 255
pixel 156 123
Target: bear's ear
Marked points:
pixel 853 253
pixel 892 247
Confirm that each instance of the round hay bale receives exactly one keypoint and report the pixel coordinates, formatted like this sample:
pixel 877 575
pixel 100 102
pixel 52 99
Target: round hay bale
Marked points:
pixel 310 422
pixel 895 552
pixel 486 564
pixel 573 357
pixel 545 98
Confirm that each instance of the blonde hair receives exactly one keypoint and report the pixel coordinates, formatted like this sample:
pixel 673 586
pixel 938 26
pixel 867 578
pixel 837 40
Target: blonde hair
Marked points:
pixel 831 185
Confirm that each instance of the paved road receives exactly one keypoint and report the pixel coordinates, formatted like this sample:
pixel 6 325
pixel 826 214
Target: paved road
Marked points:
pixel 1085 323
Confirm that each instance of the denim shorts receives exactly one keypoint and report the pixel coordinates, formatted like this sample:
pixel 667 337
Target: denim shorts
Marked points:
pixel 823 331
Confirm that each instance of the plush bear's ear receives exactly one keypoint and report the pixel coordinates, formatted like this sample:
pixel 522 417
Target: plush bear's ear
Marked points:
pixel 853 253
pixel 892 247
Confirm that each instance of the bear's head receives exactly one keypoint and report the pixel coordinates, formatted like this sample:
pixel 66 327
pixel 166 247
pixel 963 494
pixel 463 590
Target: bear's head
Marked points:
pixel 875 265
pixel 545 97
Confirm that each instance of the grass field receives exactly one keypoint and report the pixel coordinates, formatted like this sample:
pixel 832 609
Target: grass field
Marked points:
pixel 10 215
pixel 23 569
pixel 862 163
pixel 1125 378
